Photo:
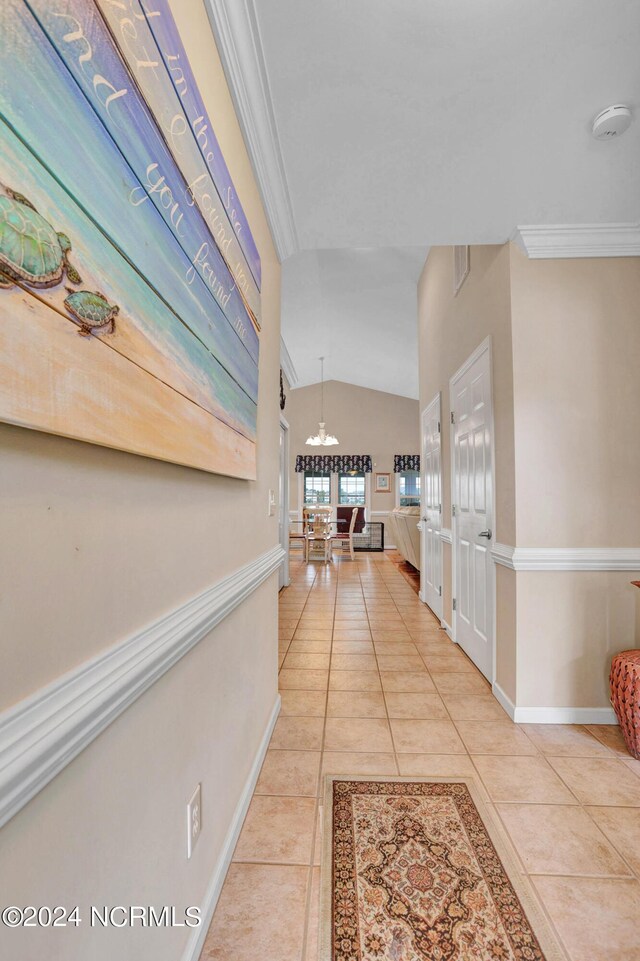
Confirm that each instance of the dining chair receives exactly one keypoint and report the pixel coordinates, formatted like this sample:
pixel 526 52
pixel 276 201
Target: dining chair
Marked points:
pixel 347 538
pixel 295 534
pixel 317 532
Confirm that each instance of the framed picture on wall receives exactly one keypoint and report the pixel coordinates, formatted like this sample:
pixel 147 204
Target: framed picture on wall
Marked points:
pixel 130 311
pixel 383 484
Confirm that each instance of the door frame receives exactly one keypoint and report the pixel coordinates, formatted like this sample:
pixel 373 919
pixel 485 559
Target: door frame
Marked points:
pixel 283 509
pixel 484 347
pixel 437 399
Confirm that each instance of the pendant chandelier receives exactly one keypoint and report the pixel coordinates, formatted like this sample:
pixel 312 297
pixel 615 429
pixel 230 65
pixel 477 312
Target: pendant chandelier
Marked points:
pixel 321 439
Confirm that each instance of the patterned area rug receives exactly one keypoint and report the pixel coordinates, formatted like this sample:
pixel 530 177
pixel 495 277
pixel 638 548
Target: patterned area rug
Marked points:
pixel 417 870
pixel 408 571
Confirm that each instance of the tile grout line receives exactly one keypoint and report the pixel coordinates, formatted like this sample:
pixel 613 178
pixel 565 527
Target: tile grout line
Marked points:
pixel 305 922
pixel 316 812
pixel 384 696
pixel 372 586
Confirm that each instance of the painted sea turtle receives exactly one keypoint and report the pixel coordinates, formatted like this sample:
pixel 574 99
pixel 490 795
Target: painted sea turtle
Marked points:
pixel 92 310
pixel 31 251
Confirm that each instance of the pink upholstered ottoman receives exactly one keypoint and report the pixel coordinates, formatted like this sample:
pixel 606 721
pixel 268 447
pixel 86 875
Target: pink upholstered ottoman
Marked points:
pixel 624 682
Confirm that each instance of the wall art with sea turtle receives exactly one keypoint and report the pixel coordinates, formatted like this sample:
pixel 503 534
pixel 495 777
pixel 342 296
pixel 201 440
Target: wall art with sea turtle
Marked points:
pixel 129 278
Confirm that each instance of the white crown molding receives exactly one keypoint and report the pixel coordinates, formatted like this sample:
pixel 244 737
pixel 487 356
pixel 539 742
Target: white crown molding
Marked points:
pixel 40 735
pixel 286 363
pixel 445 535
pixel 198 935
pixel 553 715
pixel 549 241
pixel 567 558
pixel 235 25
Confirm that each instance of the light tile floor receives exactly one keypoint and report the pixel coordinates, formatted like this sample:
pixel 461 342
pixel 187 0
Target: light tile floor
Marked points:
pixel 370 684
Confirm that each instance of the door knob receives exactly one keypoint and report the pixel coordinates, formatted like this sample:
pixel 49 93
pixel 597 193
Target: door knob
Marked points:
pixel 488 534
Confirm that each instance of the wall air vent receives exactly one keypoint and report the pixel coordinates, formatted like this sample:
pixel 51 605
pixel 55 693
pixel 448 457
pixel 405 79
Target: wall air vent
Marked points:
pixel 460 267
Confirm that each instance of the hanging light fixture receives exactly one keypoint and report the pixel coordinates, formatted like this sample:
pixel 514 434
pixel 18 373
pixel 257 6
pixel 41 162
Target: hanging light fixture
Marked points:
pixel 321 439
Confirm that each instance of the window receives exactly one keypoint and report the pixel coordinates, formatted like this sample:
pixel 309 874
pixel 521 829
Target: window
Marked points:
pixel 409 488
pixel 317 487
pixel 351 489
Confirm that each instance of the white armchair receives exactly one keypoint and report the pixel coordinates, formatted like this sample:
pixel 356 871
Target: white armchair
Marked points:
pixel 403 522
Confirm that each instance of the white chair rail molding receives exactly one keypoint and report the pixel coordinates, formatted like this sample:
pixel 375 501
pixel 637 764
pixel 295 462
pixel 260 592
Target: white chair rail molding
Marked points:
pixel 42 734
pixel 567 558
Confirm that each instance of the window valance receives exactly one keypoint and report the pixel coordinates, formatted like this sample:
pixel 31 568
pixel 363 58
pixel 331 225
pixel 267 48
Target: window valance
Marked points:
pixel 405 462
pixel 334 463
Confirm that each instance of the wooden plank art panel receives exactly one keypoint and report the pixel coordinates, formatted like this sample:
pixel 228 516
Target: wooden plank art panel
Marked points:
pixel 129 279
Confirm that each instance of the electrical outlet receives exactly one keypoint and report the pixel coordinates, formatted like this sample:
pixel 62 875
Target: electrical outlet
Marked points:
pixel 194 820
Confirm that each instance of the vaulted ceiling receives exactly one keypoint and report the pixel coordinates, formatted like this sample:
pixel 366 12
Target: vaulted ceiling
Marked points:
pixel 358 309
pixel 377 124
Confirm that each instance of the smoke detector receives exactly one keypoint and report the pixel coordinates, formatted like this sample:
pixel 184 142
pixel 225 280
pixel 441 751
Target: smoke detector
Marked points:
pixel 611 122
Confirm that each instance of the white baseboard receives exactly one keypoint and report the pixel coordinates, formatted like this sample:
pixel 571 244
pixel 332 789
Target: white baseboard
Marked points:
pixel 504 700
pixel 210 900
pixel 40 735
pixel 554 715
pixel 565 715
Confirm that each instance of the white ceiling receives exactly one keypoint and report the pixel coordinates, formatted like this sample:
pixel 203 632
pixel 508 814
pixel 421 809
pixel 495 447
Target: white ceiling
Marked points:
pixel 421 122
pixel 358 309
pixel 396 124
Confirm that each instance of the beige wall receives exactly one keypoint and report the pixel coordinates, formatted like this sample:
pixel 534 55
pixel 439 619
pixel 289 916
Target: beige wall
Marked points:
pixel 570 624
pixel 450 329
pixel 576 355
pixel 364 421
pixel 566 363
pixel 95 545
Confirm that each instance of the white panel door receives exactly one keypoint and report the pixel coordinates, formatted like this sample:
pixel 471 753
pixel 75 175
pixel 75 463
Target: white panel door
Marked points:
pixel 472 497
pixel 283 503
pixel 431 500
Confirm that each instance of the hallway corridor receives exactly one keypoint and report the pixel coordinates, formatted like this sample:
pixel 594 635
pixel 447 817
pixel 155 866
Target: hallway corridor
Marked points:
pixel 370 684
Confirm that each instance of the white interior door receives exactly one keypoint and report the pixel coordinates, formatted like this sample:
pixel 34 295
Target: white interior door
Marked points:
pixel 472 498
pixel 283 502
pixel 431 500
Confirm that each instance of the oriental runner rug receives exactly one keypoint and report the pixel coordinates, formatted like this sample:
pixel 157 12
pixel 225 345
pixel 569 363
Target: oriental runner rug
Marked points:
pixel 419 870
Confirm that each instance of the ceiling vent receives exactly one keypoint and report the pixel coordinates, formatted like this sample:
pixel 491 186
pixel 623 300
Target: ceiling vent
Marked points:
pixel 611 122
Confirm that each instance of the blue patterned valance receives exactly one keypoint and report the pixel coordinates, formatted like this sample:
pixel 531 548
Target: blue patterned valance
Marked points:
pixel 405 462
pixel 346 462
pixel 320 463
pixel 334 463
